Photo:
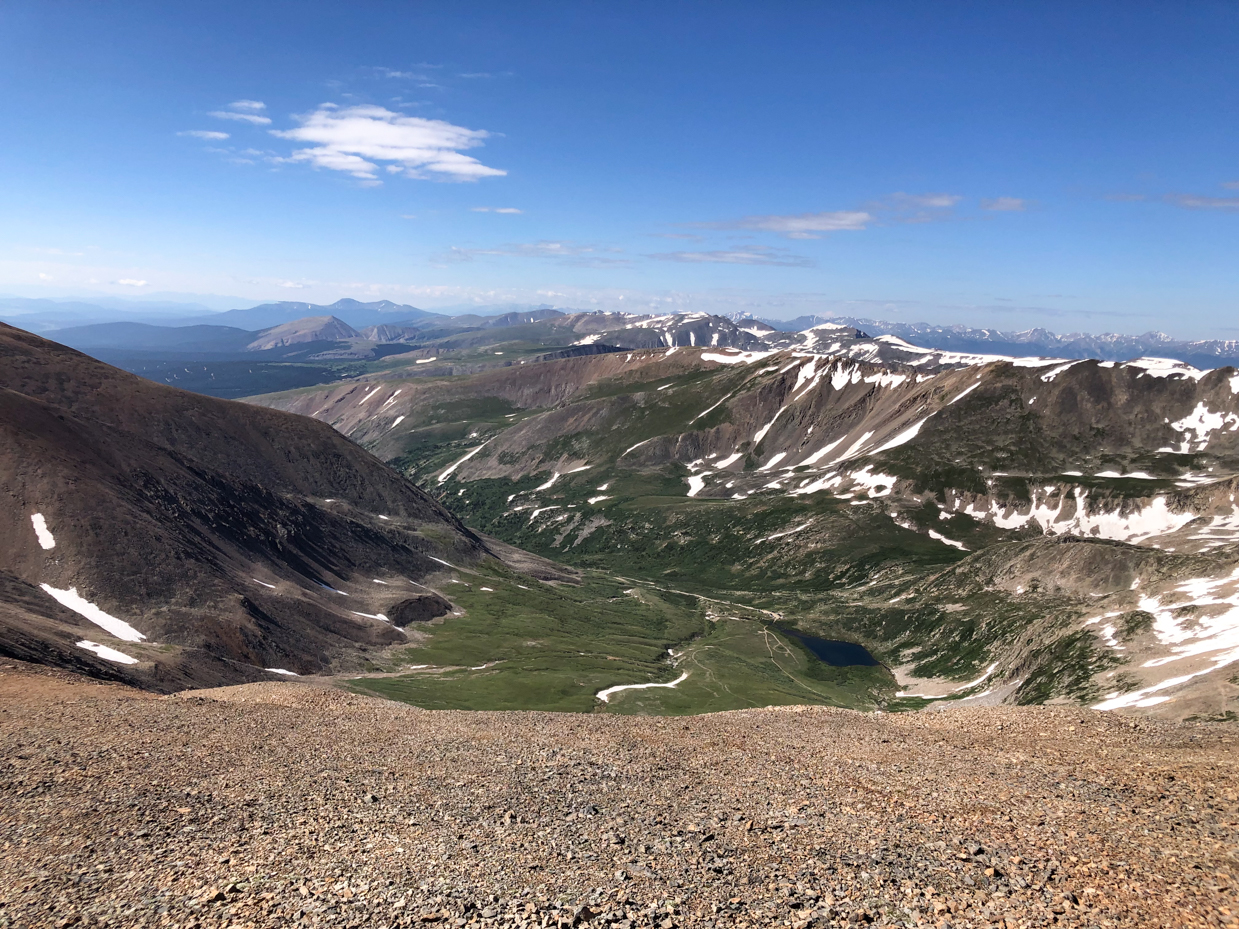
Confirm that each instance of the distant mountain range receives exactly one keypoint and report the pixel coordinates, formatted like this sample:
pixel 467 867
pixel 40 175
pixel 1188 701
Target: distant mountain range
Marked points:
pixel 80 323
pixel 995 526
pixel 1210 353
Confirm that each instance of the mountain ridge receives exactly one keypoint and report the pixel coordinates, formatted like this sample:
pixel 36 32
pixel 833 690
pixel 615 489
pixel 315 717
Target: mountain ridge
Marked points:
pixel 185 539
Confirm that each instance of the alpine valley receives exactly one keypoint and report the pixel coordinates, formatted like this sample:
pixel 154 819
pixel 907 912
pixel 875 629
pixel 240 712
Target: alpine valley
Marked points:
pixel 655 514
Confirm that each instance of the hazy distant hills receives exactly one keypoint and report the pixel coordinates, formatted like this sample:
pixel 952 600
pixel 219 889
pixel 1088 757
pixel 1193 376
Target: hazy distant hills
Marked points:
pixel 352 312
pixel 290 344
pixel 385 321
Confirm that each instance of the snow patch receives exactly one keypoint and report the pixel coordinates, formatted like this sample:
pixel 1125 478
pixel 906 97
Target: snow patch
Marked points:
pixel 779 535
pixel 605 695
pixel 906 436
pixel 108 654
pixel 1050 375
pixel 966 392
pixel 739 358
pixel 1135 527
pixel 822 452
pixel 761 433
pixel 1201 422
pixel 70 599
pixel 871 481
pixel 638 445
pixel 774 461
pixel 444 476
pixel 938 536
pixel 46 540
pixel 1165 367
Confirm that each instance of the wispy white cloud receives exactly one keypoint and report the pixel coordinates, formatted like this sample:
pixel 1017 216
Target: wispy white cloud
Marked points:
pixel 244 111
pixel 354 139
pixel 1005 205
pixel 207 134
pixel 800 225
pixel 756 255
pixel 131 282
pixel 496 209
pixel 1231 185
pixel 897 207
pixel 1126 198
pixel 569 253
pixel 903 207
pixel 1202 202
pixel 939 201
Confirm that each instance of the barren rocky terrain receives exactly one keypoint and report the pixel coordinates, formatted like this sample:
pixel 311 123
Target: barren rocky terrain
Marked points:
pixel 279 804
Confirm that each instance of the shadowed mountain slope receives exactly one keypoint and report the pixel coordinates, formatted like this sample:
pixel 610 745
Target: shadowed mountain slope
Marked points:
pixel 187 539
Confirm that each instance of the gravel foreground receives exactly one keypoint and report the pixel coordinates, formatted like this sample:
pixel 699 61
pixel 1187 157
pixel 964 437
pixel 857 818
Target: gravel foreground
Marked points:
pixel 289 805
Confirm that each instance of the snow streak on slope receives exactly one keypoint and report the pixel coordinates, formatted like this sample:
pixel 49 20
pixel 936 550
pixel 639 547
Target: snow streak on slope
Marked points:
pixel 117 627
pixel 456 464
pixel 46 540
pixel 108 654
pixel 1058 513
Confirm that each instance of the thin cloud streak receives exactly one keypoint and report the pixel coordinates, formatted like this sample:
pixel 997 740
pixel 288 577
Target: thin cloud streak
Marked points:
pixel 1201 202
pixel 250 118
pixel 751 256
pixel 1005 205
pixel 801 225
pixel 566 253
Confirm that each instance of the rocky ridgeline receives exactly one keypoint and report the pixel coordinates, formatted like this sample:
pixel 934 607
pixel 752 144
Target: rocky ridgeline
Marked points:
pixel 279 804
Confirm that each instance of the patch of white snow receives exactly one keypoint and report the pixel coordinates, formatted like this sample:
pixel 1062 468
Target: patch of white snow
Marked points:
pixel 70 599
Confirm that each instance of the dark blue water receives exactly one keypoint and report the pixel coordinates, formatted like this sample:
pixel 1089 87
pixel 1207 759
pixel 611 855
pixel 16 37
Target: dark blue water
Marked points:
pixel 833 652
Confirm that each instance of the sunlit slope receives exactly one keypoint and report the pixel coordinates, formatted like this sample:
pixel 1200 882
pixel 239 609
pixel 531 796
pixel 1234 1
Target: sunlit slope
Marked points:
pixel 907 508
pixel 516 643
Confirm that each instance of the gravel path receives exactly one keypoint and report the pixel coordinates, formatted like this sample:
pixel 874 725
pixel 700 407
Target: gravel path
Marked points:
pixel 288 805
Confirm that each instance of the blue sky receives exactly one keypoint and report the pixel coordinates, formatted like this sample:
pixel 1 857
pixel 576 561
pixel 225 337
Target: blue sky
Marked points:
pixel 1069 165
